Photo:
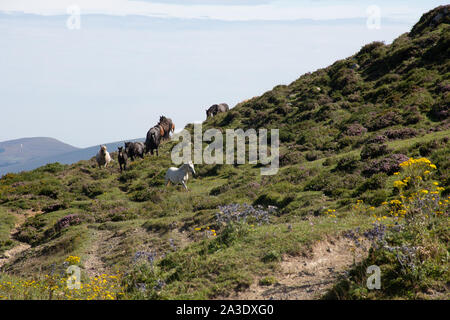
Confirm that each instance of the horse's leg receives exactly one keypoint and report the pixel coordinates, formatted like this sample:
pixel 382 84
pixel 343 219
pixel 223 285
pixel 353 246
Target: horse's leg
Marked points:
pixel 184 185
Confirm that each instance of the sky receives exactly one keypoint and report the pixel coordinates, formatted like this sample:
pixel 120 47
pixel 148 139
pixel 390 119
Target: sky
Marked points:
pixel 111 76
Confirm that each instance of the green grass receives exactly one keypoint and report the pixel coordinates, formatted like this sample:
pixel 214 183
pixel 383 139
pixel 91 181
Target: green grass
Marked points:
pixel 209 268
pixel 7 221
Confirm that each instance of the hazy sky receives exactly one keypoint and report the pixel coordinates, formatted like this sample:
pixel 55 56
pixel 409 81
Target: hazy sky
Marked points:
pixel 132 61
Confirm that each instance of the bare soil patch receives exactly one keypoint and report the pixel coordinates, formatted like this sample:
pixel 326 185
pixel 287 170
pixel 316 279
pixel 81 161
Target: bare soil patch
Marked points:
pixel 307 277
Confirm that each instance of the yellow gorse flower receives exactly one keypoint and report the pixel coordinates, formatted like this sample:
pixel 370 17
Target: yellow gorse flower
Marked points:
pixel 399 184
pixel 73 260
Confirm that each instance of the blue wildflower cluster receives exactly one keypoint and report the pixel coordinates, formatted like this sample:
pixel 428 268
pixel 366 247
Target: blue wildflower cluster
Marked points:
pixel 172 244
pixel 406 256
pixel 376 235
pixel 354 236
pixel 237 213
pixel 148 256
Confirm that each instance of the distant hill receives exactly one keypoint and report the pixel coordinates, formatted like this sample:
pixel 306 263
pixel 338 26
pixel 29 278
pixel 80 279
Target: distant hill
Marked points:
pixel 31 153
pixel 20 151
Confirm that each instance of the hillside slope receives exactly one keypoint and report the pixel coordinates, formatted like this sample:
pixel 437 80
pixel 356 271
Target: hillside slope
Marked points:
pixel 347 132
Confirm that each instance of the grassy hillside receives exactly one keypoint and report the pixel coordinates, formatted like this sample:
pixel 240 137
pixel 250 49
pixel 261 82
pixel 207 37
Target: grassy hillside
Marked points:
pixel 345 131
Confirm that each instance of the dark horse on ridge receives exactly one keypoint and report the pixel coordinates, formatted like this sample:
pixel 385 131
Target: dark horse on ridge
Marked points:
pixel 158 133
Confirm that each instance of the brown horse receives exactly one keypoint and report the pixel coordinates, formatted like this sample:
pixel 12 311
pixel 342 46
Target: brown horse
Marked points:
pixel 167 125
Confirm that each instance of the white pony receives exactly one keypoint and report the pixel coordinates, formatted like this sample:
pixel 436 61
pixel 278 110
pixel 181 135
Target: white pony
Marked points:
pixel 103 157
pixel 180 175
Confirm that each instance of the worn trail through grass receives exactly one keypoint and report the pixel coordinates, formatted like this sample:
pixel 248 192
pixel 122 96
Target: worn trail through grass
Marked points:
pixel 11 254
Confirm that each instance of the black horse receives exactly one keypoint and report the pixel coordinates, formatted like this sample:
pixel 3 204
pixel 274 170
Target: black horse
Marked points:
pixel 153 139
pixel 123 157
pixel 216 108
pixel 135 149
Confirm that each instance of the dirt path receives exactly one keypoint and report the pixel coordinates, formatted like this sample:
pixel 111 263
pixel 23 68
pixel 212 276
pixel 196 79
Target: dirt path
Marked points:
pixel 107 243
pixel 307 278
pixel 11 254
pixel 93 264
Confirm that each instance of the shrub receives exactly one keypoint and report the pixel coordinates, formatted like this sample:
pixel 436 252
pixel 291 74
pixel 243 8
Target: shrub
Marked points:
pixel 271 256
pixel 355 129
pixel 267 281
pixel 290 157
pixel 286 136
pixel 312 155
pixel 319 182
pixel 273 199
pixel 388 165
pixel 236 213
pixel 439 111
pixel 229 117
pixel 145 195
pixel 52 168
pixel 93 190
pixel 374 198
pixel 379 139
pixel 380 121
pixel 403 133
pixel 375 182
pixel 146 279
pixel 425 149
pixel 128 175
pixel 368 48
pixel 411 115
pixel 99 174
pixel 345 141
pixel 347 163
pixel 329 162
pixel 54 207
pixel 220 189
pixel 65 222
pixel 49 191
pixel 120 214
pixel 370 151
pixel 208 170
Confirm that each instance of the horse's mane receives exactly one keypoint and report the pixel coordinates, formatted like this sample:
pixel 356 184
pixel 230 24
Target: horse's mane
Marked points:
pixel 167 124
